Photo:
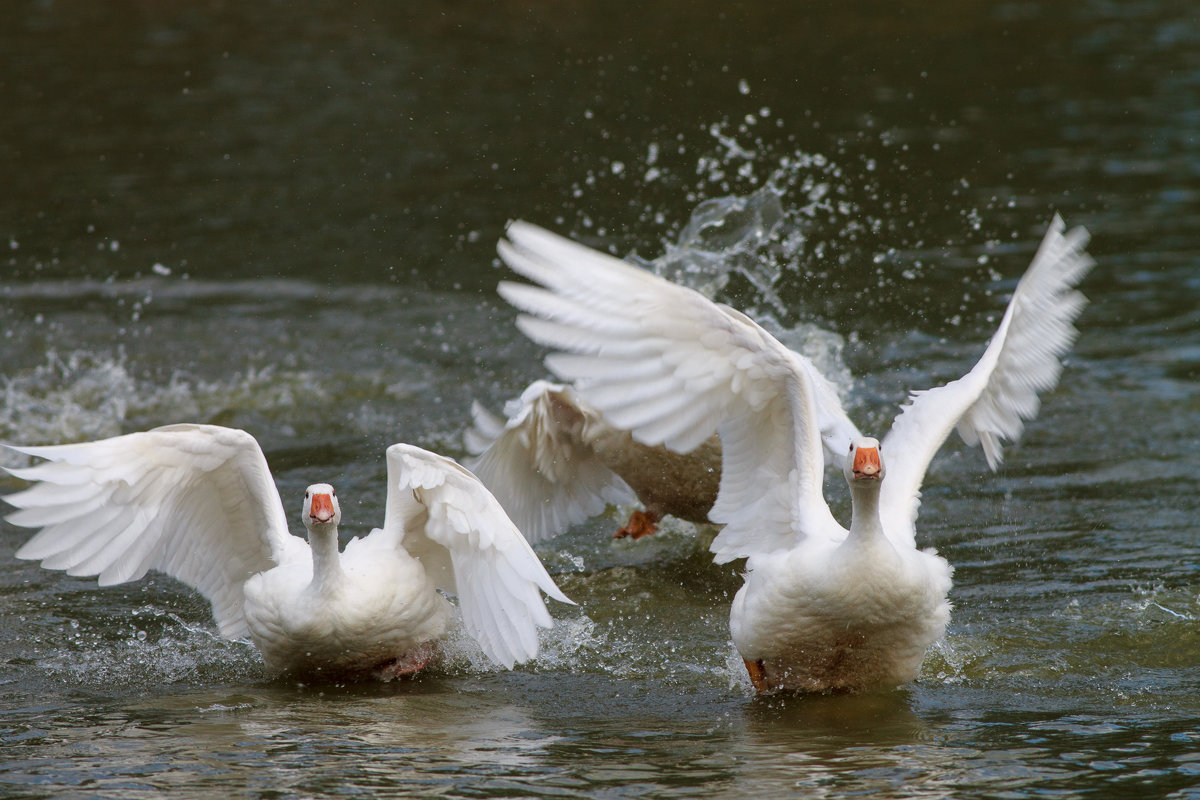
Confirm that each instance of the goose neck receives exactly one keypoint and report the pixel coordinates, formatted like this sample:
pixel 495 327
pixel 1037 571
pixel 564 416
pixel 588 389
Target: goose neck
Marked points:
pixel 327 567
pixel 865 524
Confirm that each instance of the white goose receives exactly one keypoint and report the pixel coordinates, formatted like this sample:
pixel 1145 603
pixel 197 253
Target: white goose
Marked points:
pixel 556 460
pixel 822 607
pixel 198 502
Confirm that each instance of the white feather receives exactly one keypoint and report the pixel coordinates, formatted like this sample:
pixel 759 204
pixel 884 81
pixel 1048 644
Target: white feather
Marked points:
pixel 700 366
pixel 542 464
pixel 992 401
pixel 439 510
pixel 112 509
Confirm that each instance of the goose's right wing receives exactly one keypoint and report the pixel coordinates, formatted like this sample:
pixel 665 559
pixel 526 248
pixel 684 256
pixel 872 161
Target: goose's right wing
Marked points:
pixel 539 464
pixel 672 367
pixel 194 501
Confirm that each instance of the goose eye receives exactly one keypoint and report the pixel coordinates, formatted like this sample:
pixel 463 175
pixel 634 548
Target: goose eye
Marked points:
pixel 851 447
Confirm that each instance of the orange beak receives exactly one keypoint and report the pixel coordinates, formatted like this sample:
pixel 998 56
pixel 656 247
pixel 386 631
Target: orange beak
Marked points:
pixel 322 507
pixel 866 463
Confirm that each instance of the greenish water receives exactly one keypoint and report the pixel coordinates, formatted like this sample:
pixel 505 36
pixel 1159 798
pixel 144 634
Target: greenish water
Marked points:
pixel 283 217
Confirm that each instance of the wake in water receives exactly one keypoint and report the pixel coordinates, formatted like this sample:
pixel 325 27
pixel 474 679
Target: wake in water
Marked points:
pixel 617 648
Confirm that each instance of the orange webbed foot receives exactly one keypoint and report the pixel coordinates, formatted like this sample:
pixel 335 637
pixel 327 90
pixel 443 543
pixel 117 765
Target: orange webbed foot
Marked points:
pixel 641 523
pixel 408 664
pixel 758 675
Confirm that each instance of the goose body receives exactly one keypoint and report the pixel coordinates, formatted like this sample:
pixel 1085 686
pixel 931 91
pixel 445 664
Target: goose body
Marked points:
pixel 847 610
pixel 198 502
pixel 345 619
pixel 823 607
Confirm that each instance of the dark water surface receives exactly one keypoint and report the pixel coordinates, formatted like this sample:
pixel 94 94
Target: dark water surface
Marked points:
pixel 283 217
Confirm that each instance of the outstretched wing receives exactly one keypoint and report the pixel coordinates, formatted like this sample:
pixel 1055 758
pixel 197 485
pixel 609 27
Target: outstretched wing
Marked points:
pixel 538 463
pixel 194 501
pixel 672 367
pixel 992 401
pixel 440 513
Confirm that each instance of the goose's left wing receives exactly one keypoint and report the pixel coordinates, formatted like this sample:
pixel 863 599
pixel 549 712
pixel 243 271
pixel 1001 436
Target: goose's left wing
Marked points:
pixel 993 400
pixel 440 513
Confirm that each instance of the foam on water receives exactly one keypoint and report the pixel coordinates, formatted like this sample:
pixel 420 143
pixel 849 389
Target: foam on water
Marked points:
pixel 84 396
pixel 72 398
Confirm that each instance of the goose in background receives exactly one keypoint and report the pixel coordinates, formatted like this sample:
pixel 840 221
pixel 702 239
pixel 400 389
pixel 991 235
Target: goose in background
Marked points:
pixel 198 503
pixel 823 607
pixel 554 461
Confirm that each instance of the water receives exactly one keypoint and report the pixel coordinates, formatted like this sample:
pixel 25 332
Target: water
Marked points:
pixel 284 219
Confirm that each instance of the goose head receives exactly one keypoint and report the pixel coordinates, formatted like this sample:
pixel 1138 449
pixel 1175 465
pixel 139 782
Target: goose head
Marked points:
pixel 321 508
pixel 864 465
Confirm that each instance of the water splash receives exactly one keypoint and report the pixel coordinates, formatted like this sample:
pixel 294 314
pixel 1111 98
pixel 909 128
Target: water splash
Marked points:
pixel 755 239
pixel 615 647
pixel 84 396
pixel 155 648
pixel 574 644
pixel 73 398
pixel 766 224
pixel 722 237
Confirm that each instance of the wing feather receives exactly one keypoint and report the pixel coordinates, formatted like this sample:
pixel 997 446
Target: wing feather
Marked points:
pixel 672 367
pixel 437 510
pixel 540 464
pixel 992 401
pixel 194 501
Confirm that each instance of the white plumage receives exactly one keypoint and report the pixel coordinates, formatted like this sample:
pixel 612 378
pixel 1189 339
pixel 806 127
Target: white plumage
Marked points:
pixel 822 607
pixel 198 502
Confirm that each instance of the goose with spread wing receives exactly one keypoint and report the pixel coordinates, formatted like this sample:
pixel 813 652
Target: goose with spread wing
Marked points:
pixel 198 503
pixel 823 607
pixel 554 460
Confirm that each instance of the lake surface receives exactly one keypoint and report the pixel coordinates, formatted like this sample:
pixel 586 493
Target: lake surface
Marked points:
pixel 283 218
